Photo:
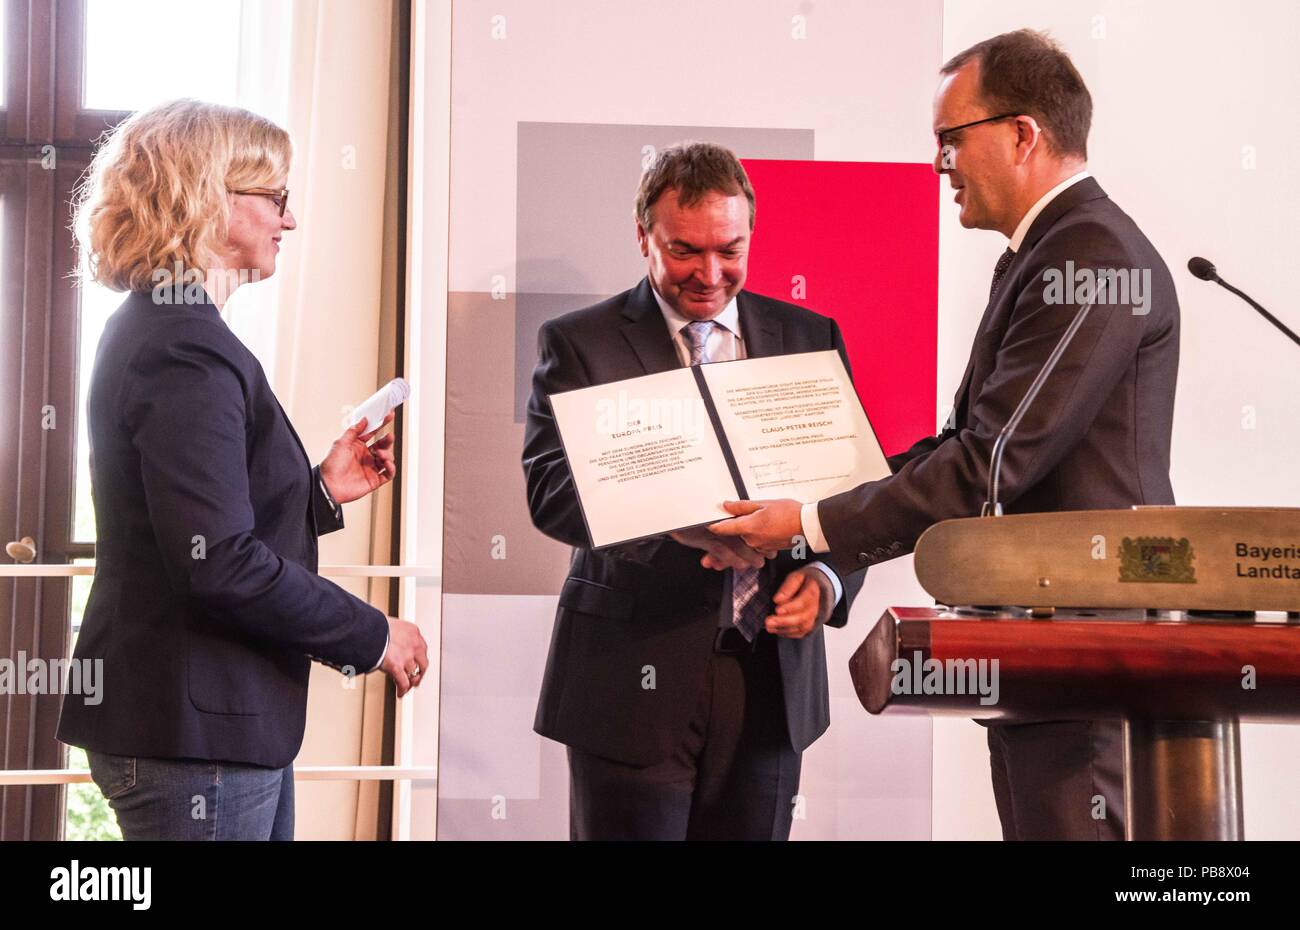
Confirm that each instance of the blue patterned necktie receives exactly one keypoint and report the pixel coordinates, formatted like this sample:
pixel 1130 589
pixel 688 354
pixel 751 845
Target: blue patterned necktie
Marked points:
pixel 749 606
pixel 697 334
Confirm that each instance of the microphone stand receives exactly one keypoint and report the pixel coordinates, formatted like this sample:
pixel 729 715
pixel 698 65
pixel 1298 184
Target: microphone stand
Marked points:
pixel 992 506
pixel 1264 313
pixel 1207 272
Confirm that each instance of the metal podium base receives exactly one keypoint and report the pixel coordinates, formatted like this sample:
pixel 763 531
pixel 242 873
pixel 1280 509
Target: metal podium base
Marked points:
pixel 1182 780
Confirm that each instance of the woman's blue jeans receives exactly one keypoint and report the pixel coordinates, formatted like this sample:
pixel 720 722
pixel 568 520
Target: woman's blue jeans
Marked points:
pixel 193 799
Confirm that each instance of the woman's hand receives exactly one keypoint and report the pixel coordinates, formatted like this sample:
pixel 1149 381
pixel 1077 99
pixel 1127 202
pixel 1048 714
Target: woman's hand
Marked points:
pixel 354 466
pixel 407 656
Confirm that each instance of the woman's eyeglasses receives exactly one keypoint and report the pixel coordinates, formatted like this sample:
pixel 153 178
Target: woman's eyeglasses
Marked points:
pixel 279 196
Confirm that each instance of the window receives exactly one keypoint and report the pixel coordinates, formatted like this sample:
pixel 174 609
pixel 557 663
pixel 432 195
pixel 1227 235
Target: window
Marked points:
pixel 142 52
pixel 87 815
pixel 4 40
pixel 97 304
pixel 107 58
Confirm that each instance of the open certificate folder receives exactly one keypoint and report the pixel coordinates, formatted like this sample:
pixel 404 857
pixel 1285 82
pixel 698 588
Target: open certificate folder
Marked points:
pixel 661 452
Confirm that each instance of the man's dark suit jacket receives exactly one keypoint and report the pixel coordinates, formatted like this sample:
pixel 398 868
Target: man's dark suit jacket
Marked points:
pixel 206 608
pixel 625 610
pixel 1098 435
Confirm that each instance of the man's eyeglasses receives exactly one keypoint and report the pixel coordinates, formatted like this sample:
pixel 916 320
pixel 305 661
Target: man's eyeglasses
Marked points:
pixel 279 196
pixel 940 133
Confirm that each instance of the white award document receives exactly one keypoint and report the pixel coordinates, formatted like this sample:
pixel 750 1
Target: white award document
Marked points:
pixel 644 455
pixel 795 426
pixel 378 405
pixel 661 452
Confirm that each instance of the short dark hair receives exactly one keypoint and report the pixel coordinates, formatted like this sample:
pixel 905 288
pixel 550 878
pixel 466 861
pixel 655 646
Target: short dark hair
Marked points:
pixel 693 169
pixel 1026 72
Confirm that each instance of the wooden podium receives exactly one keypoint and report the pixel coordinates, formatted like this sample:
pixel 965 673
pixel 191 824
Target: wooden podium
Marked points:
pixel 1175 643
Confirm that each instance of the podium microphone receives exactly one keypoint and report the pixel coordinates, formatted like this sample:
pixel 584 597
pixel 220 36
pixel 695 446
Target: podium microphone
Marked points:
pixel 1205 270
pixel 992 506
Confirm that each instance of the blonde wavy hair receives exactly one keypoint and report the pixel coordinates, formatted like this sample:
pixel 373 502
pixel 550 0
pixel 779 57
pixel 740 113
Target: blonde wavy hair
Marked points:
pixel 156 194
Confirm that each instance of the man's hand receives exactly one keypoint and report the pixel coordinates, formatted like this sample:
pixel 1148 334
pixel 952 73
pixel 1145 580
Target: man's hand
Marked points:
pixel 798 604
pixel 720 553
pixel 407 656
pixel 767 525
pixel 355 466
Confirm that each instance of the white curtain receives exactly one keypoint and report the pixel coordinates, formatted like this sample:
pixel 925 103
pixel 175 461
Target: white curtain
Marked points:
pixel 323 326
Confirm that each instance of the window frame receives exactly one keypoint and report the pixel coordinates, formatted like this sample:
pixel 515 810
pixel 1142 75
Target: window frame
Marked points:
pixel 48 140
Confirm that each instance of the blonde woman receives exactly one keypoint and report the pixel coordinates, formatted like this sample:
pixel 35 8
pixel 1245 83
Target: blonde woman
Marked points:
pixel 206 609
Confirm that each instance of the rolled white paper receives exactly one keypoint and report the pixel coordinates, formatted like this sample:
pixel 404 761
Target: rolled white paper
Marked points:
pixel 375 407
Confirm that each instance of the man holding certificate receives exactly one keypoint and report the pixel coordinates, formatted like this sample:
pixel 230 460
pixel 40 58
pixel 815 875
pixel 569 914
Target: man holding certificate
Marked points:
pixel 1011 120
pixel 687 673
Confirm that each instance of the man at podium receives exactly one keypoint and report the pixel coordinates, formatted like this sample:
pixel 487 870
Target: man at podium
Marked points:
pixel 1011 121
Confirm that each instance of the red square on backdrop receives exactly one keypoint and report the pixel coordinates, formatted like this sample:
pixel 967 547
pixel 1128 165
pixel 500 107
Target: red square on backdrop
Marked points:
pixel 859 242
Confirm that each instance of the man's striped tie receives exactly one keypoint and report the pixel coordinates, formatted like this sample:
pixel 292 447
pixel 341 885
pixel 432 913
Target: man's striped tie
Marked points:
pixel 749 602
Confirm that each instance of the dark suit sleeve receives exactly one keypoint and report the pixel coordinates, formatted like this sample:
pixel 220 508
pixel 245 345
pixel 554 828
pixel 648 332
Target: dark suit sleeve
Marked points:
pixel 183 406
pixel 918 449
pixel 329 515
pixel 883 519
pixel 840 346
pixel 552 498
